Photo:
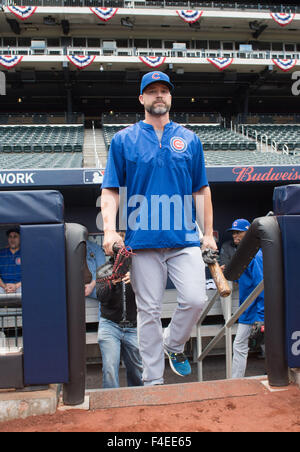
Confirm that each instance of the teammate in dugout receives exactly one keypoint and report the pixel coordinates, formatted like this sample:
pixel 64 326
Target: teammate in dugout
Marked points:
pixel 159 159
pixel 253 315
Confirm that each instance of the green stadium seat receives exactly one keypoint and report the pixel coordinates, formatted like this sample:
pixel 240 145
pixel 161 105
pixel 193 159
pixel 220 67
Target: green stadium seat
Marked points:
pixel 47 148
pixel 67 148
pixel 224 146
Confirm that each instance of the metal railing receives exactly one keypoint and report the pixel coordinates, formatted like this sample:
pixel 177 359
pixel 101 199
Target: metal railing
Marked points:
pixel 97 160
pixel 185 4
pixel 163 52
pixel 226 330
pixel 10 322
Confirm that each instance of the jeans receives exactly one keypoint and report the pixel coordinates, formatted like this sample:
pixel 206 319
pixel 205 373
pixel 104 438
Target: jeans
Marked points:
pixel 116 342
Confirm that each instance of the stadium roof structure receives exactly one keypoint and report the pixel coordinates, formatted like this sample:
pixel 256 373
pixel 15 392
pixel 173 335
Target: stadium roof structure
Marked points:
pixel 103 74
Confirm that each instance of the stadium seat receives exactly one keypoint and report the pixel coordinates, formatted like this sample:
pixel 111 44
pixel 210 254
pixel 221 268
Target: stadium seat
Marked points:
pixel 48 148
pixel 7 148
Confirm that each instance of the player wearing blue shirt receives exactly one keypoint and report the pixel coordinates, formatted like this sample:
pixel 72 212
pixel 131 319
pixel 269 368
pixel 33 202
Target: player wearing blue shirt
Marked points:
pixel 10 263
pixel 159 165
pixel 250 278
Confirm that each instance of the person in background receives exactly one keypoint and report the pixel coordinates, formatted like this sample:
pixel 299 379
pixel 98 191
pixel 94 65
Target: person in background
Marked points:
pixel 229 247
pixel 10 263
pixel 117 333
pixel 250 278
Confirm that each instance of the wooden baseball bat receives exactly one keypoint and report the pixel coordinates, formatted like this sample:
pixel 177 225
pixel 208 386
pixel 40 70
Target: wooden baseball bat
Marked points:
pixel 219 279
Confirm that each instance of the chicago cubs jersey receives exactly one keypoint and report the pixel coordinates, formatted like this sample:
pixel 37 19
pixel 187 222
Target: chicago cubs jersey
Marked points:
pixel 10 266
pixel 251 277
pixel 160 177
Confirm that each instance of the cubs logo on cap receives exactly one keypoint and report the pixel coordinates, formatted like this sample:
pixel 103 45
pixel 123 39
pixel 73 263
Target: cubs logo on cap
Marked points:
pixel 178 144
pixel 240 225
pixel 155 76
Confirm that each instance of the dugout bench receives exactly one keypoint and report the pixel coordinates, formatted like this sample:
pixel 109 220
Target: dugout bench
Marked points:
pixel 53 258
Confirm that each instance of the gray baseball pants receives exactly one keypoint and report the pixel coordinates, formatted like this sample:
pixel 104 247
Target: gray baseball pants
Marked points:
pixel 150 268
pixel 240 350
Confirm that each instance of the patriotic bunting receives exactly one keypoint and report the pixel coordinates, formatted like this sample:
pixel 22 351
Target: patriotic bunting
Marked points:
pixel 10 61
pixel 285 64
pixel 153 61
pixel 81 61
pixel 189 15
pixel 22 12
pixel 220 63
pixel 283 19
pixel 104 14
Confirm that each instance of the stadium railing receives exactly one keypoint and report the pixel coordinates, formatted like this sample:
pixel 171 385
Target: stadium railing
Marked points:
pixel 186 4
pixel 133 51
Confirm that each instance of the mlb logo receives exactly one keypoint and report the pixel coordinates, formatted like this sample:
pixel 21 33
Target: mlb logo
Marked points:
pixel 93 176
pixel 18 261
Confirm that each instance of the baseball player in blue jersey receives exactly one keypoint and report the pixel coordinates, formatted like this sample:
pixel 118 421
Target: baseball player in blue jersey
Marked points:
pixel 161 164
pixel 250 278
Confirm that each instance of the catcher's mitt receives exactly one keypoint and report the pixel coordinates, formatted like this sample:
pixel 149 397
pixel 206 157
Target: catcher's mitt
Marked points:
pixel 115 268
pixel 257 335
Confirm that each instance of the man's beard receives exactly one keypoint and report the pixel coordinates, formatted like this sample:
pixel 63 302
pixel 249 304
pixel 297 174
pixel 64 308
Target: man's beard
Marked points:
pixel 157 110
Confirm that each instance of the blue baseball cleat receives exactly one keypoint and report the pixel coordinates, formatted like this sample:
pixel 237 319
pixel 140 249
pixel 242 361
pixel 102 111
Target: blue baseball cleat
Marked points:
pixel 179 363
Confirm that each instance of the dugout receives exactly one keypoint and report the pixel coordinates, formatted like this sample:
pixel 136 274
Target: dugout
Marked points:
pixel 234 196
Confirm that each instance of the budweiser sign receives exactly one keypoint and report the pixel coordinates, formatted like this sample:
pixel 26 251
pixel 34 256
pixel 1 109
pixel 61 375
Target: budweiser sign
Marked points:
pixel 256 174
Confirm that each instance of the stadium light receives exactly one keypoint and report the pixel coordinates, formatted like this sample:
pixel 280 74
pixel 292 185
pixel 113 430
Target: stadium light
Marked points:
pixel 257 33
pixel 257 27
pixel 127 22
pixel 101 68
pixel 49 20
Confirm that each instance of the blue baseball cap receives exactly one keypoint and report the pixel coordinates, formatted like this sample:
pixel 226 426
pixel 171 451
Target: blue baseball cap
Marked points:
pixel 240 225
pixel 155 76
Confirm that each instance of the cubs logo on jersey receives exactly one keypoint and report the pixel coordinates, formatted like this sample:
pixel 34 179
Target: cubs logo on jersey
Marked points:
pixel 178 144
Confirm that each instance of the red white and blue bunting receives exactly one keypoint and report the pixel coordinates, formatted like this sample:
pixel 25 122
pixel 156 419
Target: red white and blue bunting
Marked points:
pixel 285 64
pixel 153 61
pixel 189 16
pixel 104 14
pixel 22 12
pixel 10 61
pixel 81 61
pixel 220 63
pixel 283 19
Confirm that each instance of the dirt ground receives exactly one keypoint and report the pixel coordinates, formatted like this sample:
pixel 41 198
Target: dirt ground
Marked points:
pixel 264 412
